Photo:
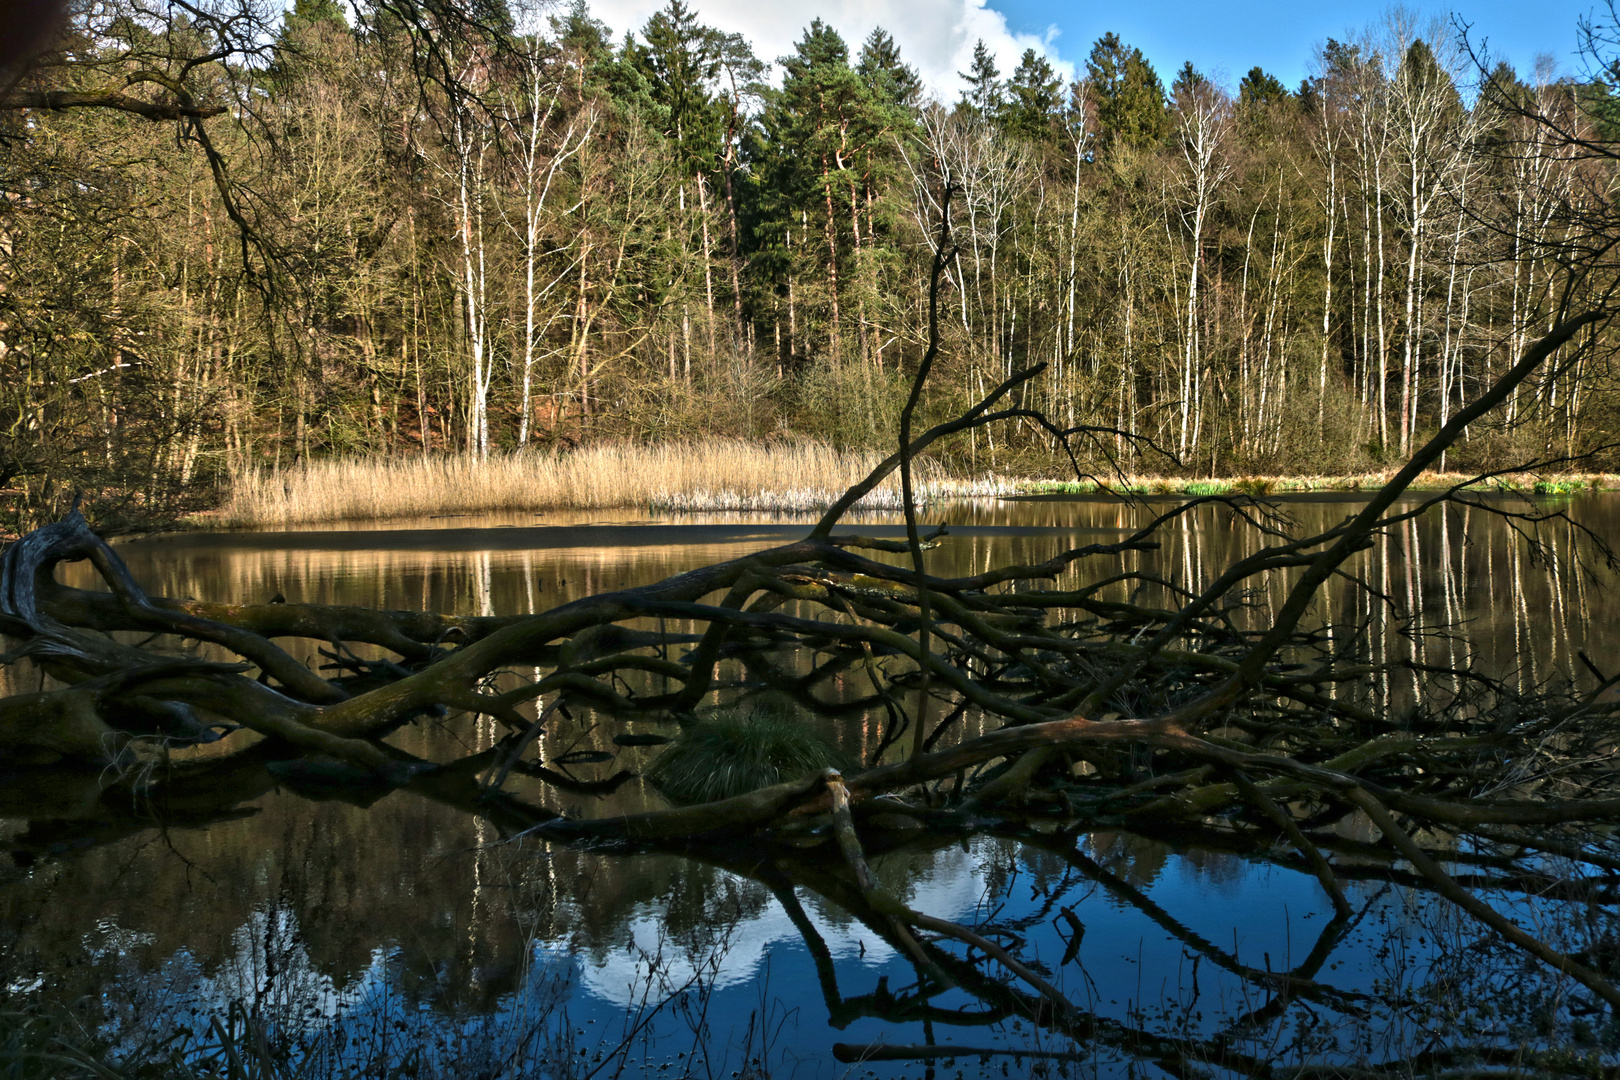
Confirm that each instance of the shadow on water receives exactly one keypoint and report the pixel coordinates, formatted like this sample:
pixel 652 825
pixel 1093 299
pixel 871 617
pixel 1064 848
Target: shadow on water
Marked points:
pixel 421 930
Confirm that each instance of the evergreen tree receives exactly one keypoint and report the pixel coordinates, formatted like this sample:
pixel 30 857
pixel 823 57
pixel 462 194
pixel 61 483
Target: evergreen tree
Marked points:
pixel 985 92
pixel 582 37
pixel 585 47
pixel 818 129
pixel 742 76
pixel 1130 97
pixel 1034 96
pixel 1189 80
pixel 1421 77
pixel 310 12
pixel 893 82
pixel 1260 90
pixel 681 59
pixel 1263 104
pixel 308 30
pixel 896 90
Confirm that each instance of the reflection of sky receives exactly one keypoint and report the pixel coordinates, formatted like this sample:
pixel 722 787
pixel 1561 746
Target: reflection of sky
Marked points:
pixel 951 891
pixel 1131 969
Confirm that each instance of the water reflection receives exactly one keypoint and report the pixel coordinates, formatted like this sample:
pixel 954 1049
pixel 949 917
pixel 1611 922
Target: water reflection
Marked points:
pixel 363 930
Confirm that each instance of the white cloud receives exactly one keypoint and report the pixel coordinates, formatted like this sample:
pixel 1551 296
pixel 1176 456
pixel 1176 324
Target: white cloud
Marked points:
pixel 935 36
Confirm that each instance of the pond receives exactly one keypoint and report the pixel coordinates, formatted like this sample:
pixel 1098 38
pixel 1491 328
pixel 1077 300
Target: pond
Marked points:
pixel 397 933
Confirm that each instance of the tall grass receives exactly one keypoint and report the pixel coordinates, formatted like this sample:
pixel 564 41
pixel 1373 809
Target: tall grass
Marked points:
pixel 700 475
pixel 704 474
pixel 734 752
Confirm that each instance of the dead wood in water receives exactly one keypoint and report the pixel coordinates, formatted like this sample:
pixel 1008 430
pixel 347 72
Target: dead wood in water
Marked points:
pixel 1127 699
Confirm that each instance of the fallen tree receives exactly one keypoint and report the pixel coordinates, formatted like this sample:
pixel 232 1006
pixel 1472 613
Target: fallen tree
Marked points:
pixel 1130 699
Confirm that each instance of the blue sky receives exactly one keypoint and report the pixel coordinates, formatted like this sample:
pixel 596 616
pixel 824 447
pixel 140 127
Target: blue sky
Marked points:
pixel 1279 35
pixel 1222 39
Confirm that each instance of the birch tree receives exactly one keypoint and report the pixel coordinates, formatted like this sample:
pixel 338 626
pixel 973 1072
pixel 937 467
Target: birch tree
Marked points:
pixel 547 135
pixel 1203 118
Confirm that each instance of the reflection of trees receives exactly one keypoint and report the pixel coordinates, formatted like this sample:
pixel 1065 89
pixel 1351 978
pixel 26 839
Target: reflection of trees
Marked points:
pixel 259 893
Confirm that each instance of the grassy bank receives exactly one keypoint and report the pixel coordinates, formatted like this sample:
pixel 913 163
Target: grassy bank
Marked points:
pixel 705 474
pixel 1526 483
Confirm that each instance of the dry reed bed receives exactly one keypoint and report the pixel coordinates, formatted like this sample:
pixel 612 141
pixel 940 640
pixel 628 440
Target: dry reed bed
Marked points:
pixel 708 474
pixel 702 476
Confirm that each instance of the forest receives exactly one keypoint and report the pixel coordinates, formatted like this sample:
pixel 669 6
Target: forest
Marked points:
pixel 235 240
pixel 240 243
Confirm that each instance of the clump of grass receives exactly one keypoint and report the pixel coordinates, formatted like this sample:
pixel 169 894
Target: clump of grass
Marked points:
pixel 1253 485
pixel 733 753
pixel 992 487
pixel 1199 488
pixel 41 1044
pixel 34 1045
pixel 1569 486
pixel 1051 487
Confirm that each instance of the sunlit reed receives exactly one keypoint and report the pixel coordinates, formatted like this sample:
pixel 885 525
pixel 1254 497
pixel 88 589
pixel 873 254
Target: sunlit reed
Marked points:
pixel 703 475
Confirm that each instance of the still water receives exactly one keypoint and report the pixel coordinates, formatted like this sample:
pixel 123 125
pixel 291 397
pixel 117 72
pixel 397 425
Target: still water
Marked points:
pixel 401 932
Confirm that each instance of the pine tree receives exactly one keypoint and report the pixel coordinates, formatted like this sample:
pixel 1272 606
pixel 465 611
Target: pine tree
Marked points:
pixel 893 82
pixel 1130 97
pixel 985 93
pixel 818 129
pixel 582 37
pixel 681 59
pixel 1034 95
pixel 1259 89
pixel 310 12
pixel 1189 80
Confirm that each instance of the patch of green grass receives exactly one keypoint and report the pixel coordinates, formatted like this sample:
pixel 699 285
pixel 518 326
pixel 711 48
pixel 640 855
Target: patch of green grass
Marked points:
pixel 733 753
pixel 1560 487
pixel 1208 487
pixel 1062 487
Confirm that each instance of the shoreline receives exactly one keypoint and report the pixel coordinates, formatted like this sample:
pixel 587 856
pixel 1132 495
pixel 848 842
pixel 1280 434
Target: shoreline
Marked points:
pixel 720 476
pixel 1523 483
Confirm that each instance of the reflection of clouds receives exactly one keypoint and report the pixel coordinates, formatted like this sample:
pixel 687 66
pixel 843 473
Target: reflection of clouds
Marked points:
pixel 652 959
pixel 268 971
pixel 269 968
pixel 567 1000
pixel 374 1025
